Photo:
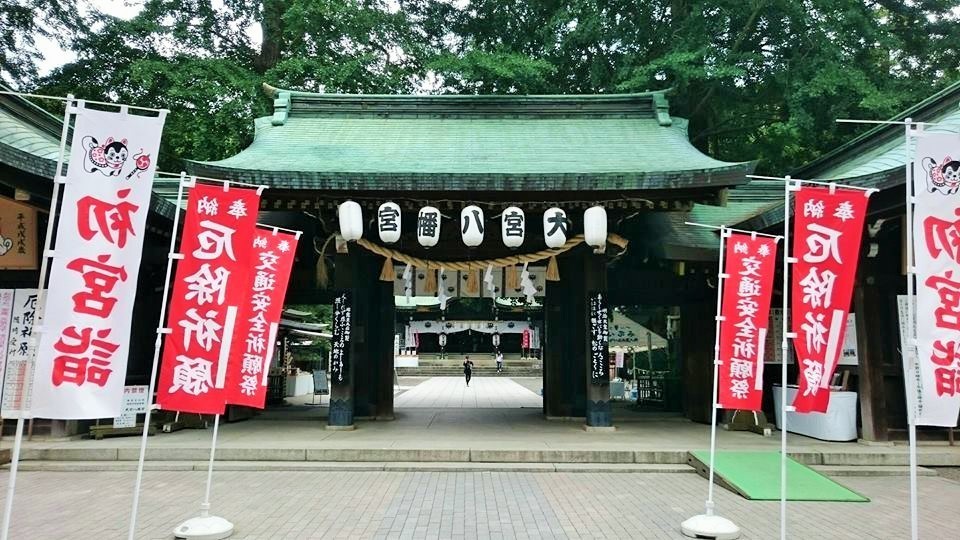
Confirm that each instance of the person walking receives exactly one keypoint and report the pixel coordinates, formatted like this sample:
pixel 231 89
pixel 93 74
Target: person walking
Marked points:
pixel 467 369
pixel 499 362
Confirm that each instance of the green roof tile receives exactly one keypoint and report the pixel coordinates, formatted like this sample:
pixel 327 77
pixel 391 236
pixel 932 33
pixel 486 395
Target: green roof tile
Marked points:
pixel 473 142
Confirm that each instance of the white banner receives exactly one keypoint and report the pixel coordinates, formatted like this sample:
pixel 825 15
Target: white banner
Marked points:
pixel 82 356
pixel 6 311
pixel 936 240
pixel 20 355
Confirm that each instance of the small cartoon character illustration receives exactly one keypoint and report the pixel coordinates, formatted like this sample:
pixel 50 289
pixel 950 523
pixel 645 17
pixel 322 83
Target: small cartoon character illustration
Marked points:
pixel 5 245
pixel 107 158
pixel 943 177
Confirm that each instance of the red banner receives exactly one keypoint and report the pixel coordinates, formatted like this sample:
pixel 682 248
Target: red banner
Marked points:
pixel 750 266
pixel 209 292
pixel 255 334
pixel 826 245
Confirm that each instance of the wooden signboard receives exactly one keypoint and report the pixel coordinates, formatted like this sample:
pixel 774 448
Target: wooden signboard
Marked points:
pixel 340 344
pixel 599 338
pixel 18 236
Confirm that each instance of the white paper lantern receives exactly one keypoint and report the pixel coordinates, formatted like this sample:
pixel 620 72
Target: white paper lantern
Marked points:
pixel 595 226
pixel 428 226
pixel 351 221
pixel 443 340
pixel 496 339
pixel 555 227
pixel 388 222
pixel 513 227
pixel 471 226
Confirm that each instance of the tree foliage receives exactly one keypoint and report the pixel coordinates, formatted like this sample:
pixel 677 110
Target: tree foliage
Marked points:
pixel 22 22
pixel 758 79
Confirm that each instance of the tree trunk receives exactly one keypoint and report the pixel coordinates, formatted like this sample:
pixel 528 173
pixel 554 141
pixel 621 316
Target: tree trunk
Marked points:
pixel 272 25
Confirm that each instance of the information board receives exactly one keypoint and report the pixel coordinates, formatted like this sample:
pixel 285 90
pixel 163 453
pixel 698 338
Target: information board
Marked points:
pixel 340 344
pixel 599 338
pixel 135 399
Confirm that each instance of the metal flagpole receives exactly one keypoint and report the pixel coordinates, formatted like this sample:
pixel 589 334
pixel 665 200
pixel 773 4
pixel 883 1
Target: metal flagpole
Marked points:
pixel 709 525
pixel 722 277
pixel 71 108
pixel 205 507
pixel 171 256
pixel 791 184
pixel 788 186
pixel 911 346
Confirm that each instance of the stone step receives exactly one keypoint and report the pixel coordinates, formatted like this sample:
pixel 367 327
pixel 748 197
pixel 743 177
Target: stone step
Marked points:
pixel 326 466
pixel 837 462
pixel 871 470
pixel 439 371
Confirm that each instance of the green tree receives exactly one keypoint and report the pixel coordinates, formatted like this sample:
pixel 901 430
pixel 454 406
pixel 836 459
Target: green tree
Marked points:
pixel 758 79
pixel 203 64
pixel 21 23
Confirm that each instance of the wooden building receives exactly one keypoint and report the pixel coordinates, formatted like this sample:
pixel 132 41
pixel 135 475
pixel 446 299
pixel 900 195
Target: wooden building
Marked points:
pixel 623 152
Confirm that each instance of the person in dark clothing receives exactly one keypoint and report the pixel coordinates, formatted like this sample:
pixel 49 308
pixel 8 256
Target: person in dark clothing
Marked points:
pixel 467 369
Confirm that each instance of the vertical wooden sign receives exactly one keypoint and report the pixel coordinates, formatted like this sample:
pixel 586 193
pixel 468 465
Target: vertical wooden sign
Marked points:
pixel 599 338
pixel 340 344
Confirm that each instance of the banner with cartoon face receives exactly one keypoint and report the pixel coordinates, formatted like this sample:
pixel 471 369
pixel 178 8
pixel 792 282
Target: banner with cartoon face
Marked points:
pixel 82 356
pixel 936 240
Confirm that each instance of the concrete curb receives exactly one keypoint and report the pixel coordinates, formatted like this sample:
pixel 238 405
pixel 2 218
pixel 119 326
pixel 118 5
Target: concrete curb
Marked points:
pixel 337 466
pixel 859 458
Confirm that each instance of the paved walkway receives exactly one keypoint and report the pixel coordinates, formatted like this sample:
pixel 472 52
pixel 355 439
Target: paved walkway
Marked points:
pixel 307 505
pixel 453 393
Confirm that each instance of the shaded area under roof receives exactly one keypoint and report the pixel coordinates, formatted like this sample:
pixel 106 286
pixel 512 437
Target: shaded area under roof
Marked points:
pixel 682 242
pixel 589 142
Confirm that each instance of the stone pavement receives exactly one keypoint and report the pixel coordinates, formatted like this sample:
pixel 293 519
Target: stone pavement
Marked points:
pixel 483 393
pixel 358 505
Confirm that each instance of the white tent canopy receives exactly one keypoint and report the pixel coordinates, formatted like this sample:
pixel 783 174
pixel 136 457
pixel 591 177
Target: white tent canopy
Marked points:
pixel 629 336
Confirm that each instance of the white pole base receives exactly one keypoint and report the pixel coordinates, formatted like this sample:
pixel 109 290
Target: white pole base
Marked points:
pixel 710 528
pixel 204 528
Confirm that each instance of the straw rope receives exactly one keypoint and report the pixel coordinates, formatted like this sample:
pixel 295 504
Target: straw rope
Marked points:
pixel 466 266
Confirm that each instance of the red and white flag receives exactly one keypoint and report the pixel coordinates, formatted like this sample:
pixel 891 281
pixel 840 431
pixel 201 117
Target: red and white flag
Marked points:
pixel 209 293
pixel 936 233
pixel 82 354
pixel 826 245
pixel 750 266
pixel 255 334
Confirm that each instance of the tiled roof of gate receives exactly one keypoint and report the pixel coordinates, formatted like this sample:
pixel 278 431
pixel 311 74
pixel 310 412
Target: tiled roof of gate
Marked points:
pixel 456 142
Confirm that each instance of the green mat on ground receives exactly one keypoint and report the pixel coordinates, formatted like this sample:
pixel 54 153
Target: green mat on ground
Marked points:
pixel 756 476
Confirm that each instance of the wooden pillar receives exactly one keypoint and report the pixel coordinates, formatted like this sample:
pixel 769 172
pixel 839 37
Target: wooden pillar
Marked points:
pixel 341 411
pixel 386 325
pixel 599 413
pixel 868 304
pixel 564 372
pixel 697 331
pixel 373 327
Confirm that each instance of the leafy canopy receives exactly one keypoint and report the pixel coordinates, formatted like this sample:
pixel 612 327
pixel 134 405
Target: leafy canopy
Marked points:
pixel 758 79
